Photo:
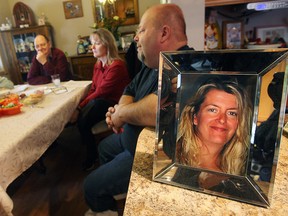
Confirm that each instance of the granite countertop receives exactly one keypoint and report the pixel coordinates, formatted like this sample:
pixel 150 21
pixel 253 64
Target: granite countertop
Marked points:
pixel 146 197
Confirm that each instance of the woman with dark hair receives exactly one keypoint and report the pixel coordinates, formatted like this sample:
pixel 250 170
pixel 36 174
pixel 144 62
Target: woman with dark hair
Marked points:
pixel 214 127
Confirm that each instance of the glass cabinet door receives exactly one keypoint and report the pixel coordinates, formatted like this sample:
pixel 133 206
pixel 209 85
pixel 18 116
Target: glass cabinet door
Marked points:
pixel 24 48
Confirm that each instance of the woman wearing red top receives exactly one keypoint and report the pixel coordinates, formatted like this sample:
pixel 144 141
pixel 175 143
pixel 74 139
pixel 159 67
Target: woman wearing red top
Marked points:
pixel 110 76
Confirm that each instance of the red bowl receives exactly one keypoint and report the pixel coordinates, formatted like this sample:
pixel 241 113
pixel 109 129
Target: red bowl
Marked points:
pixel 10 111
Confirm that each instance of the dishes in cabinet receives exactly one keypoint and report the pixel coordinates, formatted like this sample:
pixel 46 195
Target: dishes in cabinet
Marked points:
pixel 19 45
pixel 29 39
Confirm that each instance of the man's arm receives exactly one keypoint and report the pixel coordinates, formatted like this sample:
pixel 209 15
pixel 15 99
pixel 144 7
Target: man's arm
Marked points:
pixel 58 65
pixel 142 112
pixel 124 100
pixel 34 77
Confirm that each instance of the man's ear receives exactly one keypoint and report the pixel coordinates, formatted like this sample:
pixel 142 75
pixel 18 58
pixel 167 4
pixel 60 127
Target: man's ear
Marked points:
pixel 166 31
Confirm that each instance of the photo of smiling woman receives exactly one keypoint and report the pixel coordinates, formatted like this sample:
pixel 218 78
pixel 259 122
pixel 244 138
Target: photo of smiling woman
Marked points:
pixel 214 128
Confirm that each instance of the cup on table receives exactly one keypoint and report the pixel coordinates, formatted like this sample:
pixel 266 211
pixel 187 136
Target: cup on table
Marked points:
pixel 56 79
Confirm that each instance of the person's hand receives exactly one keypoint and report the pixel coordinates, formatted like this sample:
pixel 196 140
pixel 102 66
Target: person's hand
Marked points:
pixel 109 121
pixel 74 117
pixel 41 57
pixel 110 111
pixel 113 120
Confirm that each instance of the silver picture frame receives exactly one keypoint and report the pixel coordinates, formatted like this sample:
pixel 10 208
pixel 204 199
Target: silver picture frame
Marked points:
pixel 248 174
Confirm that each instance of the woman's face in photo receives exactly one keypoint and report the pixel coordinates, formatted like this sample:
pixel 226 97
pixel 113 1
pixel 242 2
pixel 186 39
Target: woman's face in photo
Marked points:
pixel 217 121
pixel 99 50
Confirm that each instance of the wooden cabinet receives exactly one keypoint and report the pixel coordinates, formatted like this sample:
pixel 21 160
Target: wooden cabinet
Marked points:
pixel 212 3
pixel 17 50
pixel 82 65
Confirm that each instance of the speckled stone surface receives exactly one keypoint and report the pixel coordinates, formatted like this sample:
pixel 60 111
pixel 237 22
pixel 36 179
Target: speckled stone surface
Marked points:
pixel 146 197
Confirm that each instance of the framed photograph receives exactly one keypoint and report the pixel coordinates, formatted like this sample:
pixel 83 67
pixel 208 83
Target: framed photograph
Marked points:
pixel 233 35
pixel 41 21
pixel 73 9
pixel 218 127
pixel 272 34
pixel 211 37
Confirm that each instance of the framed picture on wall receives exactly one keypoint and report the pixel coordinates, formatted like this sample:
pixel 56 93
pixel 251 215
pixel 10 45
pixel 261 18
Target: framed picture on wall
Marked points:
pixel 233 35
pixel 272 34
pixel 73 9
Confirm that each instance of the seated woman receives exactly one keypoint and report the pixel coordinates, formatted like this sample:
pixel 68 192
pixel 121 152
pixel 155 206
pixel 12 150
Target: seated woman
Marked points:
pixel 214 128
pixel 47 62
pixel 110 77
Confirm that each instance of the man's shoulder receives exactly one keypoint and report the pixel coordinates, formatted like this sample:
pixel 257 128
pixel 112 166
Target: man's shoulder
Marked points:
pixel 146 72
pixel 57 51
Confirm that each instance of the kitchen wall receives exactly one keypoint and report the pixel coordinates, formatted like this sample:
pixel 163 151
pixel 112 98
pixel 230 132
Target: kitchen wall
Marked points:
pixel 65 30
pixel 194 13
pixel 4 11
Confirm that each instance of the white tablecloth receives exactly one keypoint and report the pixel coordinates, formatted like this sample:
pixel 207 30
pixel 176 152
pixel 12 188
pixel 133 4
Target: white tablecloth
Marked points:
pixel 26 136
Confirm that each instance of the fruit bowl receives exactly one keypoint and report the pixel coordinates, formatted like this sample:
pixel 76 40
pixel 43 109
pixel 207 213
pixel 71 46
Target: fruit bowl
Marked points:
pixel 11 110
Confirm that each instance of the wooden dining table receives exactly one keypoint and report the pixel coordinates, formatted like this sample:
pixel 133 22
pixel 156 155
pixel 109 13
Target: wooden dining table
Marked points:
pixel 24 137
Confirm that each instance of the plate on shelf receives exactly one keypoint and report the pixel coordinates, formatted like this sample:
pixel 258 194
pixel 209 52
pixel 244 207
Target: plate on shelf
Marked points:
pixel 29 39
pixel 18 41
pixel 263 46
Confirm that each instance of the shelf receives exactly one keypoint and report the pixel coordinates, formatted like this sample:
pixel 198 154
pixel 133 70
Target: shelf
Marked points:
pixel 213 3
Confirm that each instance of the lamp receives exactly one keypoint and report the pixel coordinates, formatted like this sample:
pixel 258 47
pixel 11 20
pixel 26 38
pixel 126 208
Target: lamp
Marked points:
pixel 109 1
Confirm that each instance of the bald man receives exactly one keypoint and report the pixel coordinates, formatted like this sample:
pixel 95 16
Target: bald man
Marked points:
pixel 162 28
